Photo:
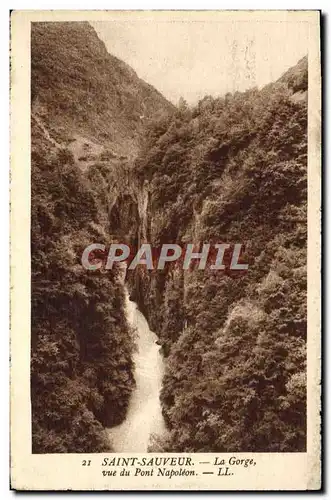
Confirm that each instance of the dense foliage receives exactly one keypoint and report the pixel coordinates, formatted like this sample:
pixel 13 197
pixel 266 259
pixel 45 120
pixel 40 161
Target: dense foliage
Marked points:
pixel 232 169
pixel 88 110
pixel 81 352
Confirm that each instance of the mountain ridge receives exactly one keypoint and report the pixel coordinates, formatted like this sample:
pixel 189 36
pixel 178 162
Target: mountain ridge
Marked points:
pixel 80 90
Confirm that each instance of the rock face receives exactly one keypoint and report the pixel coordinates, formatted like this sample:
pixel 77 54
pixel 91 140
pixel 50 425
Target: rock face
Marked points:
pixel 88 114
pixel 93 106
pixel 232 170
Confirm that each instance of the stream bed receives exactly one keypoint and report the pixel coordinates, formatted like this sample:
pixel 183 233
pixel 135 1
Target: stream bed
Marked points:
pixel 144 416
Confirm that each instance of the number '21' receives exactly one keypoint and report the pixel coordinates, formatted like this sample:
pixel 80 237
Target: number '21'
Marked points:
pixel 86 462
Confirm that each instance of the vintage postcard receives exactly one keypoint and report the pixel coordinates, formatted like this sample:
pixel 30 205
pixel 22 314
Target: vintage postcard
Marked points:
pixel 165 250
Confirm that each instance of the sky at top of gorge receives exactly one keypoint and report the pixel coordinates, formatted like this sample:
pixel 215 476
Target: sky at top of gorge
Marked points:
pixel 193 59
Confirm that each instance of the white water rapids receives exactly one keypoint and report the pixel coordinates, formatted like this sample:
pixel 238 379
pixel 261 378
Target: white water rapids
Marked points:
pixel 144 415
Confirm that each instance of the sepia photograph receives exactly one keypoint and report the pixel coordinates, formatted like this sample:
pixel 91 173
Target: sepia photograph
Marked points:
pixel 168 232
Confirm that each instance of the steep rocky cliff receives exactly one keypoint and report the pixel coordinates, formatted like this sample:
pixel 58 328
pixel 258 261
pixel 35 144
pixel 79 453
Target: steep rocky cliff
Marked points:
pixel 232 170
pixel 88 113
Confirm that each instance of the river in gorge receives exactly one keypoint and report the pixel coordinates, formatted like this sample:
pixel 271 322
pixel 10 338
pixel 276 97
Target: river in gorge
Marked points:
pixel 144 416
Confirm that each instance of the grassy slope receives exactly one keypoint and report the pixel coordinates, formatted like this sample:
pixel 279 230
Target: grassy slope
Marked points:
pixel 80 89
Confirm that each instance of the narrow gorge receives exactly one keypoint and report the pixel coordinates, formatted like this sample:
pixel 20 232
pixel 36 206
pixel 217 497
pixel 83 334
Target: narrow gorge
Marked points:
pixel 144 420
pixel 198 361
